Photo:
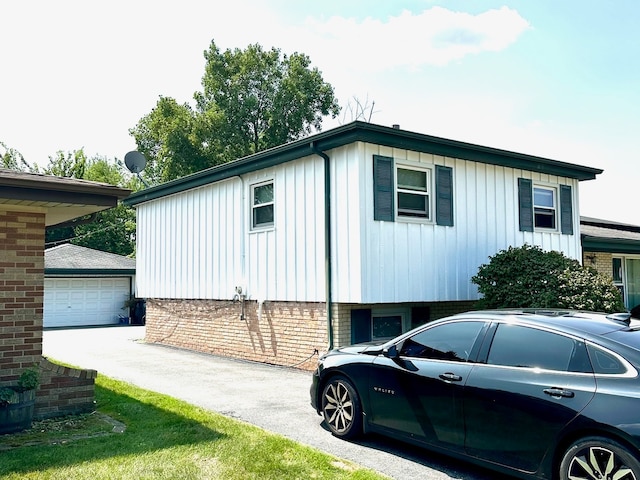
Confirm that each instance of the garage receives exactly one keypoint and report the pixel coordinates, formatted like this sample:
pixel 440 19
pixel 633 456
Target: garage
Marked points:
pixel 73 302
pixel 86 287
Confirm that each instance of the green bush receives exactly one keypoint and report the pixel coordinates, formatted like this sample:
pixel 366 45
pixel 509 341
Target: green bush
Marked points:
pixel 528 277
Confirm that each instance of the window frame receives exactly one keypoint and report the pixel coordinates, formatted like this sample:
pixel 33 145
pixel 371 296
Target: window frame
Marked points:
pixel 379 313
pixel 254 207
pixel 428 192
pixel 539 209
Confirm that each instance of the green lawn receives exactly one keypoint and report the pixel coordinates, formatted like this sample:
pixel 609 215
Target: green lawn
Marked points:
pixel 164 439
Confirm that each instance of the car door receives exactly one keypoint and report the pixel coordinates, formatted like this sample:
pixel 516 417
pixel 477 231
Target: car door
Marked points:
pixel 534 382
pixel 417 389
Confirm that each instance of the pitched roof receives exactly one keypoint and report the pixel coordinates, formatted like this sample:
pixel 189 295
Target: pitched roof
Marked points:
pixel 69 258
pixel 608 236
pixel 370 133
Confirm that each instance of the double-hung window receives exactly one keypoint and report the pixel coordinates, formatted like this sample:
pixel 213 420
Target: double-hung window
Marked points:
pixel 544 207
pixel 413 187
pixel 262 205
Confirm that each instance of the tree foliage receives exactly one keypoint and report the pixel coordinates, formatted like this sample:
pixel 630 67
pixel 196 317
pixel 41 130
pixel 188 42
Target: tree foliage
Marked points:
pixel 111 230
pixel 12 159
pixel 251 100
pixel 528 277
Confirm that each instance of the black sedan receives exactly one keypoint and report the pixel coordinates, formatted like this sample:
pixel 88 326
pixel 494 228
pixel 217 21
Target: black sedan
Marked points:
pixel 553 394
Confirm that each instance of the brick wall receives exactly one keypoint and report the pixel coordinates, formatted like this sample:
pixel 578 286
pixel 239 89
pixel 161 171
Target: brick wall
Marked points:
pixel 21 292
pixel 285 333
pixel 601 261
pixel 62 390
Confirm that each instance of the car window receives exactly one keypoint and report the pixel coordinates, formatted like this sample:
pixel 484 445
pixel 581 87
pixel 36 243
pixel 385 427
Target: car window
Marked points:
pixel 449 341
pixel 605 362
pixel 519 346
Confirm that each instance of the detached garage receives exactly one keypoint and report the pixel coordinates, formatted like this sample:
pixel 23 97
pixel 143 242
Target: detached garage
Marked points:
pixel 86 287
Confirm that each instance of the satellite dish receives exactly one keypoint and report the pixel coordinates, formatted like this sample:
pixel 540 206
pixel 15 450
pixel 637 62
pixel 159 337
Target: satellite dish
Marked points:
pixel 135 162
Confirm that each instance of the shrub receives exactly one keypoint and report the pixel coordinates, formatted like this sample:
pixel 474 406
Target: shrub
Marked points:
pixel 528 277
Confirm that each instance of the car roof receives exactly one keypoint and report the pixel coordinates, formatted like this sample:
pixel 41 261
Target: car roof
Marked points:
pixel 577 322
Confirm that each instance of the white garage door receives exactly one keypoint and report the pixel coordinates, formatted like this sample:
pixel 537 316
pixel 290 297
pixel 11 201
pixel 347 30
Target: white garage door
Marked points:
pixel 71 302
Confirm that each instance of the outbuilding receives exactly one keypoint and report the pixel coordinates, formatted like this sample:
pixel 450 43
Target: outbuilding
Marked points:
pixel 86 287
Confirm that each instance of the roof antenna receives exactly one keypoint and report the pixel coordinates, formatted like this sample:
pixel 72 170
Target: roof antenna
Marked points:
pixel 135 162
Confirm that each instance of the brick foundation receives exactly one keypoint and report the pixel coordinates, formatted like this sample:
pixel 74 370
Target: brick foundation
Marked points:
pixel 284 333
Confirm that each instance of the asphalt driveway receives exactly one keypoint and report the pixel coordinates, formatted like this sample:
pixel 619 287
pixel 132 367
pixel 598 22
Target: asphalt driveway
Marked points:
pixel 274 398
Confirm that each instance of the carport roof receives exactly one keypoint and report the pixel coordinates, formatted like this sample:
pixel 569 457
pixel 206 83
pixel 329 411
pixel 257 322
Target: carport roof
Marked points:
pixel 60 198
pixel 70 259
pixel 608 236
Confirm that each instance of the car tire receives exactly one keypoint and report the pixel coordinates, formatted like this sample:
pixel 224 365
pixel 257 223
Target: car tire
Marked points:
pixel 599 458
pixel 341 408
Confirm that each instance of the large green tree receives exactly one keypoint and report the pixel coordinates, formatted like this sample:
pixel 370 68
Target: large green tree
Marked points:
pixel 528 277
pixel 111 230
pixel 251 100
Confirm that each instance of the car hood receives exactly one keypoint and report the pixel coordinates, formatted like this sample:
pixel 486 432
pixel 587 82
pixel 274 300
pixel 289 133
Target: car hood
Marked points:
pixel 366 348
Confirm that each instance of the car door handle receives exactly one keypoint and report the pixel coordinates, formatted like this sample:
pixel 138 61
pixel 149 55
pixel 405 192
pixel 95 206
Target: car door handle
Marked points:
pixel 559 392
pixel 450 377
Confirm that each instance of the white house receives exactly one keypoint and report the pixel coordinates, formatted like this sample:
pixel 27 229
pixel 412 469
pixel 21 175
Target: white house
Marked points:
pixel 359 232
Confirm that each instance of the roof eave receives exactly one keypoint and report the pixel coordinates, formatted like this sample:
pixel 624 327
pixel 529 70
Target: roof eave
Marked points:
pixel 370 133
pixel 610 245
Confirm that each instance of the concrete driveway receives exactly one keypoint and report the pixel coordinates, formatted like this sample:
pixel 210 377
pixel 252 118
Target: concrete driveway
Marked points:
pixel 274 398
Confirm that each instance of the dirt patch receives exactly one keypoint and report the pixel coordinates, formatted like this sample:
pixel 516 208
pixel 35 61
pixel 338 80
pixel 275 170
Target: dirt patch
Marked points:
pixel 63 430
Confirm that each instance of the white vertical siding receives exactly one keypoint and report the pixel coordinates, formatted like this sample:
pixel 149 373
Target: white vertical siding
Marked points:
pixel 199 243
pixel 286 262
pixel 189 244
pixel 408 261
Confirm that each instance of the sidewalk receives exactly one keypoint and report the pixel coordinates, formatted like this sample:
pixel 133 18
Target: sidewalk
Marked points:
pixel 274 398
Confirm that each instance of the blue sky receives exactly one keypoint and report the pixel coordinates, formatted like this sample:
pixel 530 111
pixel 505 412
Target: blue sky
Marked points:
pixel 558 79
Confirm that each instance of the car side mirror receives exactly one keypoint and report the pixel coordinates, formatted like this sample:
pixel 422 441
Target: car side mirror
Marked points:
pixel 391 352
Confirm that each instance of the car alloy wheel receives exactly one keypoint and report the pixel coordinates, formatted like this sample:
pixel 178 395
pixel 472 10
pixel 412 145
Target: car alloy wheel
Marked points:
pixel 341 408
pixel 599 459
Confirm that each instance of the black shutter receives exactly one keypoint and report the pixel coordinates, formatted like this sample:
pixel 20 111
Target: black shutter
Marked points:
pixel 444 196
pixel 525 204
pixel 360 325
pixel 383 188
pixel 566 210
pixel 419 316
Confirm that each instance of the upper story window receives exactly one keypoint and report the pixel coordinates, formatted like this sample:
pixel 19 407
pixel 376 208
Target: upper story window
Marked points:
pixel 262 205
pixel 413 187
pixel 403 191
pixel 544 207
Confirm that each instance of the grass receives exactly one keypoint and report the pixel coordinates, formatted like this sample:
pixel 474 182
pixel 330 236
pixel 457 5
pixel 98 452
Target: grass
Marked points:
pixel 164 438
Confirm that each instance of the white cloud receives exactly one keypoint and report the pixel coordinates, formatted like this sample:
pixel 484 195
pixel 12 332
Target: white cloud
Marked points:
pixel 435 37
